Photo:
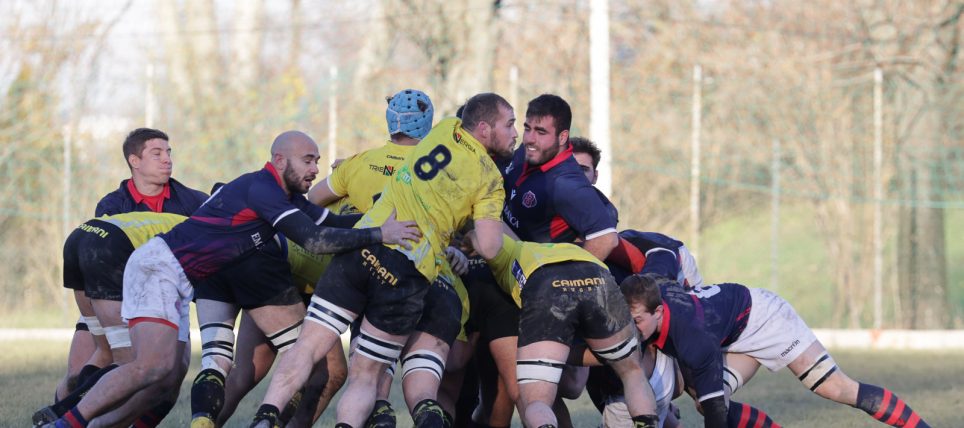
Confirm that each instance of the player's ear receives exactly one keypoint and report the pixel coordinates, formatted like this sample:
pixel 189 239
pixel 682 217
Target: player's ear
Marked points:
pixel 564 138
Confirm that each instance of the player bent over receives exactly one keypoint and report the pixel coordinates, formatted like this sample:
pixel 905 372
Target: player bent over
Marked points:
pixel 565 291
pixel 448 179
pixel 712 330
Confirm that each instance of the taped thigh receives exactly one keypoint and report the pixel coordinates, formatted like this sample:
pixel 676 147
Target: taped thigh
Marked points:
pixel 283 339
pixel 539 370
pixel 423 360
pixel 616 352
pixel 118 336
pixel 814 376
pixel 328 315
pixel 93 325
pixel 381 350
pixel 732 379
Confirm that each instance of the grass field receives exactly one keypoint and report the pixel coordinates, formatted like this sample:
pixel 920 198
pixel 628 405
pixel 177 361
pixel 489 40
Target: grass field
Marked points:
pixel 930 382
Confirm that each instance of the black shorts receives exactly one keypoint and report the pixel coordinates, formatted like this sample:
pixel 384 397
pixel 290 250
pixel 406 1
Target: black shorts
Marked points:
pixel 258 278
pixel 94 258
pixel 564 300
pixel 442 314
pixel 494 314
pixel 378 282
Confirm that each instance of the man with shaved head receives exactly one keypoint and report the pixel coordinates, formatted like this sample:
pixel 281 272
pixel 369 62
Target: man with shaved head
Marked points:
pixel 237 224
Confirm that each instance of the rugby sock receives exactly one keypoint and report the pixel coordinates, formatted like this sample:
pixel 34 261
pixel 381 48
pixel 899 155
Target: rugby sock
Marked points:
pixel 268 413
pixel 382 416
pixel 207 397
pixel 645 421
pixel 71 419
pixel 63 406
pixel 887 407
pixel 428 414
pixel 153 417
pixel 85 372
pixel 745 416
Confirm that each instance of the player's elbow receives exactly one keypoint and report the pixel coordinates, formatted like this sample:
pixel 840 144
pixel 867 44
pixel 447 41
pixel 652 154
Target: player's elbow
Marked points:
pixel 488 247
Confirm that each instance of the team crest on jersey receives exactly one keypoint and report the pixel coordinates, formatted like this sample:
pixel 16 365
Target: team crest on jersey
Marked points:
pixel 529 199
pixel 520 277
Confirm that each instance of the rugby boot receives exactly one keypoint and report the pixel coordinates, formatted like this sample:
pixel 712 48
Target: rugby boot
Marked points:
pixel 383 416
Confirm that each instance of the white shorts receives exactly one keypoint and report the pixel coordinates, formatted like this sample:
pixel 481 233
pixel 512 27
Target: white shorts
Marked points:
pixel 616 413
pixel 775 335
pixel 155 287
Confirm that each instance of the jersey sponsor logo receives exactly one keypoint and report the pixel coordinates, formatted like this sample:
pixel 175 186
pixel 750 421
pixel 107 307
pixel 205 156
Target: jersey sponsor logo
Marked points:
pixel 789 348
pixel 395 157
pixel 256 238
pixel 529 199
pixel 581 282
pixel 704 292
pixel 386 170
pixel 517 272
pixel 509 218
pixel 375 266
pixel 94 229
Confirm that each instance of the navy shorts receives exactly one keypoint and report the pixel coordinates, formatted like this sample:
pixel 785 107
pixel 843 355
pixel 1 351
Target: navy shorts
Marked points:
pixel 258 278
pixel 442 314
pixel 94 258
pixel 564 300
pixel 494 314
pixel 378 282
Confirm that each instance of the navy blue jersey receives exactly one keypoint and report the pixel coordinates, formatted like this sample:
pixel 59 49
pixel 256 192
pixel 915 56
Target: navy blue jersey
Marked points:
pixel 697 325
pixel 237 218
pixel 553 202
pixel 643 252
pixel 183 200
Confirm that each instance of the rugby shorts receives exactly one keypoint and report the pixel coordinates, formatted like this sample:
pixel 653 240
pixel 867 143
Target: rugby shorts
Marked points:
pixel 564 300
pixel 95 264
pixel 442 314
pixel 255 279
pixel 155 286
pixel 380 283
pixel 494 315
pixel 774 335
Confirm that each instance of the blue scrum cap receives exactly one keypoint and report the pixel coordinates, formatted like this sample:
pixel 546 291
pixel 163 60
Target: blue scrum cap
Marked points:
pixel 409 112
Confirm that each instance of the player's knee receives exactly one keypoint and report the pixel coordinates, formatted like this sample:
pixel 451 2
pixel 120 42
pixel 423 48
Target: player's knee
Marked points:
pixel 539 370
pixel 285 338
pixel 217 347
pixel 423 361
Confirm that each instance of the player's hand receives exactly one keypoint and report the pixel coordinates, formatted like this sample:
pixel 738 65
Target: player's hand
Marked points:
pixel 458 261
pixel 402 233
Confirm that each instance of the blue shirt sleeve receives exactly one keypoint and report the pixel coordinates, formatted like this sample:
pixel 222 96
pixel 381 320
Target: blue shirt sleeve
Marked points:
pixel 577 202
pixel 269 202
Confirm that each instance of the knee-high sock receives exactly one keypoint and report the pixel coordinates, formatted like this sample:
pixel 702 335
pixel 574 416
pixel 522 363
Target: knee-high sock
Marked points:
pixel 887 407
pixel 745 416
pixel 63 406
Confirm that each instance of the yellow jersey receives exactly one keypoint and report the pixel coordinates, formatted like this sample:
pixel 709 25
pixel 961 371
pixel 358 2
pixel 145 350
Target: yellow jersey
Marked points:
pixel 517 260
pixel 359 180
pixel 306 267
pixel 448 178
pixel 141 226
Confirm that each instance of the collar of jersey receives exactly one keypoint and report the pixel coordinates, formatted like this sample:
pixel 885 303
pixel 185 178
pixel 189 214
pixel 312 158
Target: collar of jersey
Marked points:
pixel 274 173
pixel 560 157
pixel 138 197
pixel 663 327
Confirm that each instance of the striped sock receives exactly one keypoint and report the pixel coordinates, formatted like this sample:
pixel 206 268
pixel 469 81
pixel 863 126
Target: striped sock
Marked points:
pixel 71 419
pixel 887 407
pixel 742 415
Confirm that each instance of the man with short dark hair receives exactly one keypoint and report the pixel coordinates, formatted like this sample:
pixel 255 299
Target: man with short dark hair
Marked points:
pixel 151 187
pixel 238 221
pixel 721 334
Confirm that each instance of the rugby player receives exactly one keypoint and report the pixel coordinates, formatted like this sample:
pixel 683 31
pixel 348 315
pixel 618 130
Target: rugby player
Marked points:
pixel 721 334
pixel 448 179
pixel 237 221
pixel 150 188
pixel 95 254
pixel 565 292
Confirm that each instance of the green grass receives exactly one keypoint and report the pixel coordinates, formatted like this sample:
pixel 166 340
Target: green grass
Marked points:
pixel 929 382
